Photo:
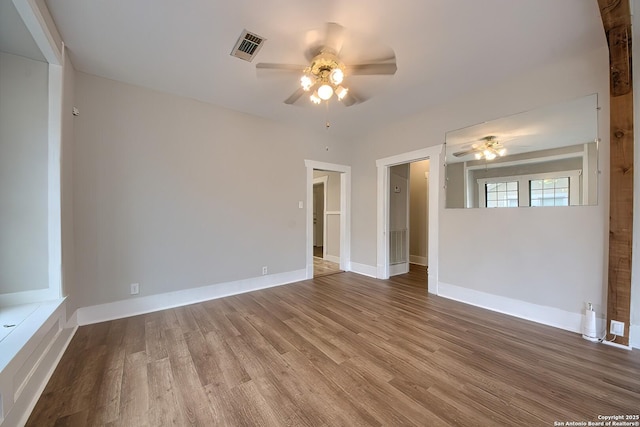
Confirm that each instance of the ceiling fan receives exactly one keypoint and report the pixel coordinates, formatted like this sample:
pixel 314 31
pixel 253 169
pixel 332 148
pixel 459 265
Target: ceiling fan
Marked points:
pixel 487 147
pixel 327 74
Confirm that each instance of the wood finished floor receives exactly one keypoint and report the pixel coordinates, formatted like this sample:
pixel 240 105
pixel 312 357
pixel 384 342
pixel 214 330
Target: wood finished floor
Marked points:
pixel 336 350
pixel 322 267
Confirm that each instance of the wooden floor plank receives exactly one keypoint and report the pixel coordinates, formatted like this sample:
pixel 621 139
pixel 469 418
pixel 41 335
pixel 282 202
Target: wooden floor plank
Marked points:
pixel 154 339
pixel 164 407
pixel 191 395
pixel 204 363
pixel 341 349
pixel 134 395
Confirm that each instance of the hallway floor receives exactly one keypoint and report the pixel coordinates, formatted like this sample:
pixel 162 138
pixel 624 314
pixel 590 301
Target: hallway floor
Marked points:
pixel 323 267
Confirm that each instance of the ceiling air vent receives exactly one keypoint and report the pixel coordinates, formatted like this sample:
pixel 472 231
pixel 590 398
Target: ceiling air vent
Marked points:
pixel 247 46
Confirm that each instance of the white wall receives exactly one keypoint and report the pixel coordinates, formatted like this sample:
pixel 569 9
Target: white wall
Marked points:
pixel 550 257
pixel 418 216
pixel 173 194
pixel 398 201
pixel 23 174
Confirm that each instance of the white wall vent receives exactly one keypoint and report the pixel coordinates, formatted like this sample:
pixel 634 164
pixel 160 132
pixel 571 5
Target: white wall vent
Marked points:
pixel 247 46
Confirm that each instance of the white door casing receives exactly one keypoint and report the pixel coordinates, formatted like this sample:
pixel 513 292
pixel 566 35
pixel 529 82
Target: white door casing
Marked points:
pixel 436 176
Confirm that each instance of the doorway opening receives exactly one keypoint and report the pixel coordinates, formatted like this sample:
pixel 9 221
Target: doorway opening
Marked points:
pixel 326 224
pixel 328 218
pixel 408 218
pixel 389 220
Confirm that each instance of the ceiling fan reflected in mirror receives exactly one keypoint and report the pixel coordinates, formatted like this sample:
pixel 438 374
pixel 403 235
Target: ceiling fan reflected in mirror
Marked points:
pixel 487 148
pixel 327 74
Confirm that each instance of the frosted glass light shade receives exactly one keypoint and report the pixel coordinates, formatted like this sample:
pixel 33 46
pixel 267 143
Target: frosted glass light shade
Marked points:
pixel 341 92
pixel 305 82
pixel 315 98
pixel 336 76
pixel 325 91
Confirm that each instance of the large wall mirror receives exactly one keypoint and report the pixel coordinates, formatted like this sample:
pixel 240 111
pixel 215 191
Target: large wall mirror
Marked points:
pixel 543 157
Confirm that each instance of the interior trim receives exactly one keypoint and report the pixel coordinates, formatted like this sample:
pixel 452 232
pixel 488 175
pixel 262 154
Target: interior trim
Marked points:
pixel 147 304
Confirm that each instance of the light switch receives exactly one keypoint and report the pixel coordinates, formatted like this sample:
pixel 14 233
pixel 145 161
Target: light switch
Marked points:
pixel 300 204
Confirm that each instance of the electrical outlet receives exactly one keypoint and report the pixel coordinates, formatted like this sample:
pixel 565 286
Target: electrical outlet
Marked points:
pixel 264 270
pixel 617 328
pixel 135 288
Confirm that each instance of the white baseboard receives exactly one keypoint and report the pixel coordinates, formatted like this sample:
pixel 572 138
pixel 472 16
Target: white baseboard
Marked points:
pixel 364 269
pixel 418 260
pixel 39 346
pixel 332 258
pixel 151 303
pixel 546 315
pixel 395 269
pixel 616 345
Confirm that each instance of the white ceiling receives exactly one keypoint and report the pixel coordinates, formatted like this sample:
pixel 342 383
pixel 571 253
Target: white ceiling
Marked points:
pixel 443 48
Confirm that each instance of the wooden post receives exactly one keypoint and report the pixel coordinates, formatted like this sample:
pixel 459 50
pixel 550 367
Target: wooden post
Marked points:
pixel 616 19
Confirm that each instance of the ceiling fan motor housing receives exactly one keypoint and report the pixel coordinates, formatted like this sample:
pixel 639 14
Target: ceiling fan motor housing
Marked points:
pixel 323 65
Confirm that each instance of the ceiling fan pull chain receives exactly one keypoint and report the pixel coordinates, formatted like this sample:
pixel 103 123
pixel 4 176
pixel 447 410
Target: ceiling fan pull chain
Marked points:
pixel 327 124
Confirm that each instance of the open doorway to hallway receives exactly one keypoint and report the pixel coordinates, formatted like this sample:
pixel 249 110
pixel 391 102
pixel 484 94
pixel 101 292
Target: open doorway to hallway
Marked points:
pixel 326 222
pixel 342 215
pixel 409 219
pixel 436 176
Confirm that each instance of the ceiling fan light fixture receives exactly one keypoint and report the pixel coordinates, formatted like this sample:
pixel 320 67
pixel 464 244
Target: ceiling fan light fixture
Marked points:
pixel 325 91
pixel 341 92
pixel 315 98
pixel 489 155
pixel 306 82
pixel 336 76
pixel 325 74
pixel 490 149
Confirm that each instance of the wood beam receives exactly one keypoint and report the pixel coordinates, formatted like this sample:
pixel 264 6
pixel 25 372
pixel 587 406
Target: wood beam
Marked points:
pixel 616 19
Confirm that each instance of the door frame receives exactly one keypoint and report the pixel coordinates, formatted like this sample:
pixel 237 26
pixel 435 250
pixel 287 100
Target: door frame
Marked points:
pixel 436 175
pixel 345 213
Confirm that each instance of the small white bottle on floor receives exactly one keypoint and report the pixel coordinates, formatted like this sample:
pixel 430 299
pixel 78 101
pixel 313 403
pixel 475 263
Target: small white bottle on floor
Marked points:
pixel 589 327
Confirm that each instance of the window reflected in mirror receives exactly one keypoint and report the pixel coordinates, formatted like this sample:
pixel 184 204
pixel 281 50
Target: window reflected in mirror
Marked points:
pixel 540 158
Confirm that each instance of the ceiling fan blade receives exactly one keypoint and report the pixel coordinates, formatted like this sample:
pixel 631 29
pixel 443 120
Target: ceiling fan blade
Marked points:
pixel 389 57
pixel 334 37
pixel 465 153
pixel 294 96
pixel 371 69
pixel 351 98
pixel 276 66
pixel 312 51
pixel 333 40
